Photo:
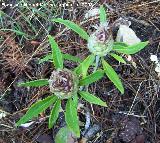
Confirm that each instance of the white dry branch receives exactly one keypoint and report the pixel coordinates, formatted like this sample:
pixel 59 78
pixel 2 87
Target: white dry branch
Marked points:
pixel 26 125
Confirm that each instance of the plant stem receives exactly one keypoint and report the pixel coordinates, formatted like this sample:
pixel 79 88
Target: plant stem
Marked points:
pixel 97 63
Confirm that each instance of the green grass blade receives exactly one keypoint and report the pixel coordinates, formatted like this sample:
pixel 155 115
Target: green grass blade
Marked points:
pixel 130 49
pixel 71 117
pixel 92 78
pixel 54 113
pixel 83 67
pixel 118 58
pixel 34 83
pixel 17 32
pixel 112 75
pixel 92 99
pixel 56 53
pixel 36 109
pixel 71 25
pixel 103 18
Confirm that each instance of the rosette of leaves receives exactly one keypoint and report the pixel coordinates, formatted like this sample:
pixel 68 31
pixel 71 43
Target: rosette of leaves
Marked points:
pixel 64 85
pixel 101 44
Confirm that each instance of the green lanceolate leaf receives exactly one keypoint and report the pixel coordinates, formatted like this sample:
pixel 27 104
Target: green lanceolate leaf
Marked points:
pixel 65 56
pixel 92 99
pixel 102 14
pixel 83 67
pixel 73 26
pixel 63 135
pixel 36 109
pixel 71 117
pixel 45 58
pixel 118 58
pixel 75 100
pixel 119 44
pixel 34 83
pixel 131 49
pixel 54 113
pixel 92 78
pixel 72 58
pixel 56 53
pixel 112 75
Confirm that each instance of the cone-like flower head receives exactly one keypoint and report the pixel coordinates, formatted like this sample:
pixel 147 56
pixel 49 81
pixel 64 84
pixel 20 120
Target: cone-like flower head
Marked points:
pixel 100 42
pixel 63 83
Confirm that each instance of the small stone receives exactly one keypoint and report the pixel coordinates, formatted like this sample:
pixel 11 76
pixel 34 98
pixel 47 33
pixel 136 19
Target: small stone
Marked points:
pixel 127 35
pixel 2 115
pixel 153 58
pixel 157 69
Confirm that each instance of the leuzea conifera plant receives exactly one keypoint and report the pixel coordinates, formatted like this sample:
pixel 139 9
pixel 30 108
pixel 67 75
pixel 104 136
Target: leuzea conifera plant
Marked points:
pixel 64 85
pixel 101 44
